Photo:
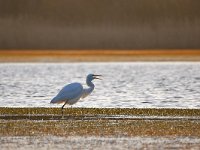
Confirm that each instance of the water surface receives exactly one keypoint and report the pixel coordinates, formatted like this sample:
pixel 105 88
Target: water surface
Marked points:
pixel 134 84
pixel 97 143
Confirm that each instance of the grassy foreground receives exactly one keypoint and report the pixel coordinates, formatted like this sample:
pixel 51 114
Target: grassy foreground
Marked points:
pixel 99 127
pixel 101 111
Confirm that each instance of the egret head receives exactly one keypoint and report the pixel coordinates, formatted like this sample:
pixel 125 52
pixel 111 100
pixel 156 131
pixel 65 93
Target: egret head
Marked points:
pixel 91 77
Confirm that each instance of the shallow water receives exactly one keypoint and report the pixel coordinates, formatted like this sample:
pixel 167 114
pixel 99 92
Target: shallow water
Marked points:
pixel 98 143
pixel 135 84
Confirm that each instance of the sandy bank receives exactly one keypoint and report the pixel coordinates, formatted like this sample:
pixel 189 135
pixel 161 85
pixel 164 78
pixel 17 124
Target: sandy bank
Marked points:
pixel 97 55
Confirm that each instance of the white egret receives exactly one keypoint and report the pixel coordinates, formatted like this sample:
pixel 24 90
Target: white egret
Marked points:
pixel 71 93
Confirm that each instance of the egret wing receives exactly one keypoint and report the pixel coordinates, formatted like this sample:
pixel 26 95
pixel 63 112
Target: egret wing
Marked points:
pixel 68 92
pixel 85 93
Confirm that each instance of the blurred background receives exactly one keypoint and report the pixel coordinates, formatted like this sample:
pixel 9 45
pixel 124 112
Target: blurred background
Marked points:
pixel 99 24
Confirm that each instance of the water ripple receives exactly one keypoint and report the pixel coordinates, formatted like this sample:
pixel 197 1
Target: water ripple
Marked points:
pixel 137 84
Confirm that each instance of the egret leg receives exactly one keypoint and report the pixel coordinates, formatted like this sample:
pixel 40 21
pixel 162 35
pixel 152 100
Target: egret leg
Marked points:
pixel 62 108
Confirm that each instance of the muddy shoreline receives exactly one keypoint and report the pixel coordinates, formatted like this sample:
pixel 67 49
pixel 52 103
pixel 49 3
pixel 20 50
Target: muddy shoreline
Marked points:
pixel 99 122
pixel 97 128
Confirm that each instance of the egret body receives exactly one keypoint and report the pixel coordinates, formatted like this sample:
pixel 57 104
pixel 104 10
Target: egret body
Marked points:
pixel 71 93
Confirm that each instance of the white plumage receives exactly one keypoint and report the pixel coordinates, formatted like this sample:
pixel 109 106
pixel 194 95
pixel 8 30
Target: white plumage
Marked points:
pixel 71 93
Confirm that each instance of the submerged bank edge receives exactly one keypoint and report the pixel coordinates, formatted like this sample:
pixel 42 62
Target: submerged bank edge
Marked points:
pixel 100 111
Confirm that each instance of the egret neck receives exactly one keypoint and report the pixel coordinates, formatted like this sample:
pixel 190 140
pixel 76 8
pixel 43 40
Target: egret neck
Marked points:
pixel 90 84
pixel 89 90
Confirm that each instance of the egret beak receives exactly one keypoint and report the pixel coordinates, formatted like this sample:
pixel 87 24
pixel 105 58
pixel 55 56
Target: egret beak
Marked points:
pixel 97 77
